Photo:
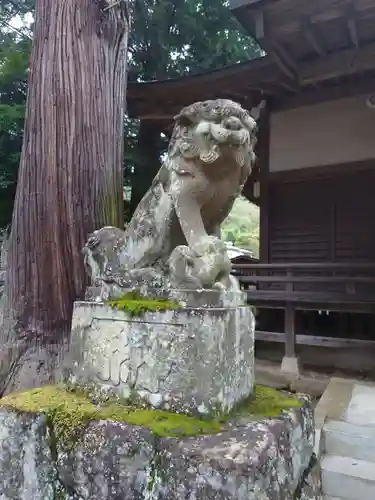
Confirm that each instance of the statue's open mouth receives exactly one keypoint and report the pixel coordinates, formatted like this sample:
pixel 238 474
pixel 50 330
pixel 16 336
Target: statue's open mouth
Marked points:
pixel 223 135
pixel 213 137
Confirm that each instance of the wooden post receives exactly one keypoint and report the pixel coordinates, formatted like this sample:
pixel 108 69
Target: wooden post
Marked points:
pixel 263 153
pixel 289 324
pixel 290 334
pixel 290 364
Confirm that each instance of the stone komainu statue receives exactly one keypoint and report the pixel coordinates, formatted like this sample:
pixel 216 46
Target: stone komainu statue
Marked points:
pixel 171 241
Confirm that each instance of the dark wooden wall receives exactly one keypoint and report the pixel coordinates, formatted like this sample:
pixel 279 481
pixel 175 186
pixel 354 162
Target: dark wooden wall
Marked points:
pixel 323 218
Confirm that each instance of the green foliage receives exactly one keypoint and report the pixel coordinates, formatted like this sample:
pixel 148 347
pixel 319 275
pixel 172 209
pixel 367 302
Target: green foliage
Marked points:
pixel 12 8
pixel 173 38
pixel 14 55
pixel 168 39
pixel 241 227
pixel 135 305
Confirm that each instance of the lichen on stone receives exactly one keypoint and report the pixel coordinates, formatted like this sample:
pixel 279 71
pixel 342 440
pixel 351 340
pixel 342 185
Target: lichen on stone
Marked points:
pixel 135 304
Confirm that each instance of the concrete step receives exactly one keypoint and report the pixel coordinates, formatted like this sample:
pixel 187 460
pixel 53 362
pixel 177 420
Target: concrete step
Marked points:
pixel 349 440
pixel 325 497
pixel 328 497
pixel 348 478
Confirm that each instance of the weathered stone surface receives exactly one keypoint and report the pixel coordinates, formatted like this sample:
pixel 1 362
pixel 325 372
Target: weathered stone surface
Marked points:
pixel 171 239
pixel 36 365
pixel 2 282
pixel 26 468
pixel 254 461
pixel 196 359
pixel 111 461
pixel 311 482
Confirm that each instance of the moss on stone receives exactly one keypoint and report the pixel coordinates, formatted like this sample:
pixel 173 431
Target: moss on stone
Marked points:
pixel 68 412
pixel 269 403
pixel 161 423
pixel 135 304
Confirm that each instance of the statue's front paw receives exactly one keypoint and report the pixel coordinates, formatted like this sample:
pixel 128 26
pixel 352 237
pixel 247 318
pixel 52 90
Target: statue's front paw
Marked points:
pixel 181 268
pixel 219 286
pixel 208 245
pixel 229 283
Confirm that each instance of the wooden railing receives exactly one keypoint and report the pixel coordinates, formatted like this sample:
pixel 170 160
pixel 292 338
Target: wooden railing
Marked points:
pixel 334 286
pixel 309 286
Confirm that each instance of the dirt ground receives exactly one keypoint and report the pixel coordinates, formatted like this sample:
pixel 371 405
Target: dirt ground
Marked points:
pixel 318 365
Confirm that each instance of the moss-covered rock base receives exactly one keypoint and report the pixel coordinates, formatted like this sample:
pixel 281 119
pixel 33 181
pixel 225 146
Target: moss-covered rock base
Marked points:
pixel 75 449
pixel 69 410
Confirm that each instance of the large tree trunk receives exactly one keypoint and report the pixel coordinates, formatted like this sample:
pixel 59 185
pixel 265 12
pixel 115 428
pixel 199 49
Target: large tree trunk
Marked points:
pixel 70 180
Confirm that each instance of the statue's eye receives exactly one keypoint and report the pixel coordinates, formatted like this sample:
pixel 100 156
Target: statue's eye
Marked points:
pixel 232 123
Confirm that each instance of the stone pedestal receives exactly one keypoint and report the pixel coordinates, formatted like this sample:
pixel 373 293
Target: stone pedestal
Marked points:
pixel 196 358
pixel 250 460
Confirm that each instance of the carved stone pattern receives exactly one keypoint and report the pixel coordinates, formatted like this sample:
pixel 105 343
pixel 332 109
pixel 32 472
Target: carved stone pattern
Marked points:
pixel 189 359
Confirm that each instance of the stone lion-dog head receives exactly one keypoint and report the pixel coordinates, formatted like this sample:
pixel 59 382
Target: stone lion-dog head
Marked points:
pixel 215 130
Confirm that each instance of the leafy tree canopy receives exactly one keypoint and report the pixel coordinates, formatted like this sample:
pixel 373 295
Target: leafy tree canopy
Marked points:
pixel 14 55
pixel 169 38
pixel 173 38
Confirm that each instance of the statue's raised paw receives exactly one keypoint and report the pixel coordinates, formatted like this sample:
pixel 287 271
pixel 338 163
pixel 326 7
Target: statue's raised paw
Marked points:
pixel 201 266
pixel 181 268
pixel 227 282
pixel 207 245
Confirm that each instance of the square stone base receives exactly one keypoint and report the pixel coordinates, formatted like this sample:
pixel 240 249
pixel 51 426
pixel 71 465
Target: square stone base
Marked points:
pixel 195 359
pixel 290 368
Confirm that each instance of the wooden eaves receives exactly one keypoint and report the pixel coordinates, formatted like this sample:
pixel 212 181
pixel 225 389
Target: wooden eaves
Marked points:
pixel 314 43
pixel 246 83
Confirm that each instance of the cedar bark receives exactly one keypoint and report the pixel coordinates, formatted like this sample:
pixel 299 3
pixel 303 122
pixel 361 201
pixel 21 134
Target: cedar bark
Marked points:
pixel 70 179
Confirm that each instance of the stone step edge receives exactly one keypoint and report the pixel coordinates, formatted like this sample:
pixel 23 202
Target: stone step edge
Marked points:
pixel 328 497
pixel 339 430
pixel 347 466
pixel 342 427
